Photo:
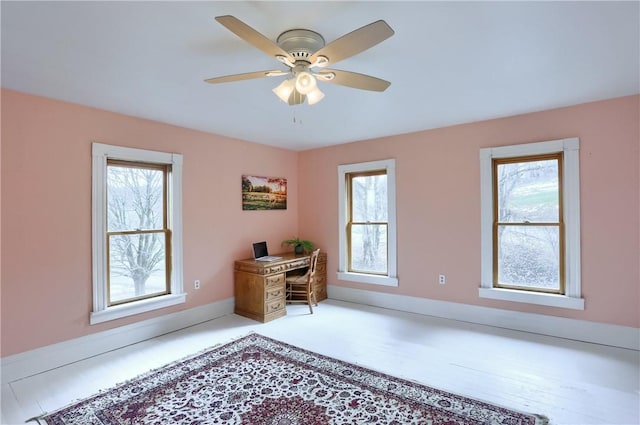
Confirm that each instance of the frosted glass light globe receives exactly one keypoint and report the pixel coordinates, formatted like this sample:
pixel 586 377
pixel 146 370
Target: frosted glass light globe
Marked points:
pixel 305 82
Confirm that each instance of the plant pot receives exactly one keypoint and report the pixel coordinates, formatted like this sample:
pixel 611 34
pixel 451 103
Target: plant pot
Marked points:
pixel 298 249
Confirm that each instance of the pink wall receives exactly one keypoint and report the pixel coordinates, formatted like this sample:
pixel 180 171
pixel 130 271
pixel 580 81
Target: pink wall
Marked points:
pixel 46 212
pixel 46 208
pixel 438 204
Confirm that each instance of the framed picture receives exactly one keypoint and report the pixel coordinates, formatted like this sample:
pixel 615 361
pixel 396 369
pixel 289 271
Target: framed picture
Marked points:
pixel 264 193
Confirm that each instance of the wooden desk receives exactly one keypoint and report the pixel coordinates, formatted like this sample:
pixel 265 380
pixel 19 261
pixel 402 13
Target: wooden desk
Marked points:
pixel 260 285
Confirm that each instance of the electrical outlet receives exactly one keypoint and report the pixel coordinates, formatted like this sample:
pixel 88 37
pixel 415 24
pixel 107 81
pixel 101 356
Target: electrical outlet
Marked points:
pixel 196 284
pixel 442 279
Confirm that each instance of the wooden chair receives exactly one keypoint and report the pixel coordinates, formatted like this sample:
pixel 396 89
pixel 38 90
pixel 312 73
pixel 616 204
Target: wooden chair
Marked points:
pixel 300 288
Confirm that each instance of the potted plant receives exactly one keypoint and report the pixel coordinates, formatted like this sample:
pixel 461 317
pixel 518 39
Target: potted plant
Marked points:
pixel 300 246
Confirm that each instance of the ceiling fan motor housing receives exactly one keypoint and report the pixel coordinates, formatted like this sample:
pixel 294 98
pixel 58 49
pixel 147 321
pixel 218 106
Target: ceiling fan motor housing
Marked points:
pixel 300 43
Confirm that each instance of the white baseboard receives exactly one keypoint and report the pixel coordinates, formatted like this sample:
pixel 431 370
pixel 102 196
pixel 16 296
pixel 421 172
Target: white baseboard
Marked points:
pixel 580 330
pixel 46 358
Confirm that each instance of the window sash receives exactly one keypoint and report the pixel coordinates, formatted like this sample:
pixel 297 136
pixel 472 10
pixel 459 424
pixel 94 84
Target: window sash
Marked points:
pixel 533 287
pixel 164 168
pixel 167 266
pixel 350 262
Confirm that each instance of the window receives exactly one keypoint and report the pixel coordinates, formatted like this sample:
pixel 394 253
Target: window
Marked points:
pixel 137 241
pixel 367 223
pixel 531 223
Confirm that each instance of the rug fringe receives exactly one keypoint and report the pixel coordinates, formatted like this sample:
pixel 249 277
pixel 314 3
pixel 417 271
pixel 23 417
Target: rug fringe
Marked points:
pixel 180 360
pixel 542 419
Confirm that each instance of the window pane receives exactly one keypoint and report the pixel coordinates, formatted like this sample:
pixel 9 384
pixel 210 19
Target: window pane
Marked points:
pixel 528 192
pixel 529 256
pixel 369 198
pixel 369 248
pixel 135 198
pixel 137 266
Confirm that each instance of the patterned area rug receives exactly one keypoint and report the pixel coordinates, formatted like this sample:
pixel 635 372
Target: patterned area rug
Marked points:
pixel 256 380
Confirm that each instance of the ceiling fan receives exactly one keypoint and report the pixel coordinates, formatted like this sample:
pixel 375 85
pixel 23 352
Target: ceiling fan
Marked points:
pixel 305 53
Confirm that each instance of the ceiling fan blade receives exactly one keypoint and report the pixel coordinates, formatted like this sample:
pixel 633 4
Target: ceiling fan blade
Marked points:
pixel 252 36
pixel 353 79
pixel 246 76
pixel 354 42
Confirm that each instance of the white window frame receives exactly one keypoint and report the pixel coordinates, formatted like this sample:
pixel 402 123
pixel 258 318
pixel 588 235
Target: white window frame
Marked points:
pixel 570 148
pixel 391 279
pixel 101 153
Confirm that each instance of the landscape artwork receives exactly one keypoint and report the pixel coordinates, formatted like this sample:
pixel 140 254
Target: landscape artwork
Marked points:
pixel 264 193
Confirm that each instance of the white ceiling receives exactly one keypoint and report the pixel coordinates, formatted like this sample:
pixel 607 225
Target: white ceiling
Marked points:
pixel 448 62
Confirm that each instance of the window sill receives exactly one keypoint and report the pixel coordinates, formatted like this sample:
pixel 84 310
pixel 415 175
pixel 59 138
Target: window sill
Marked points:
pixel 137 307
pixel 550 300
pixel 368 278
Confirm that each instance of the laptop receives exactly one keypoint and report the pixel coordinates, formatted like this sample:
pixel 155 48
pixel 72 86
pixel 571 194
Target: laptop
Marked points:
pixel 261 253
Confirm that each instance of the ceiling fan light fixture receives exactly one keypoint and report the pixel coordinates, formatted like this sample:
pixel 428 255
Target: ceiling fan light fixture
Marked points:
pixel 305 82
pixel 284 90
pixel 314 96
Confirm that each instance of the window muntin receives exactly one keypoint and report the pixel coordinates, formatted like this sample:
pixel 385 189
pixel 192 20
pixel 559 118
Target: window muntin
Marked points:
pixel 368 222
pixel 138 239
pixel 528 234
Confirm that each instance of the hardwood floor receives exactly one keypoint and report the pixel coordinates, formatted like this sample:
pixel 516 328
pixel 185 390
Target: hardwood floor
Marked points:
pixel 570 382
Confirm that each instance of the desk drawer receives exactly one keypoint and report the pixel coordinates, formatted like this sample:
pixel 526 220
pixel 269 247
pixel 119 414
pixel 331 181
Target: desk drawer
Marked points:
pixel 273 306
pixel 275 280
pixel 274 293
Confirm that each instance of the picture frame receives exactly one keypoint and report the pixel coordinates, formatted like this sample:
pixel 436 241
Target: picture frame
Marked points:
pixel 264 193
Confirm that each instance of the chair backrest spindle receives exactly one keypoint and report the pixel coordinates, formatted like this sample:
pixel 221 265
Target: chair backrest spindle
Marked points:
pixel 313 261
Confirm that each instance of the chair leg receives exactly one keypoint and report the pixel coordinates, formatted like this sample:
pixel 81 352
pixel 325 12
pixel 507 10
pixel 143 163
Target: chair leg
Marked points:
pixel 309 302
